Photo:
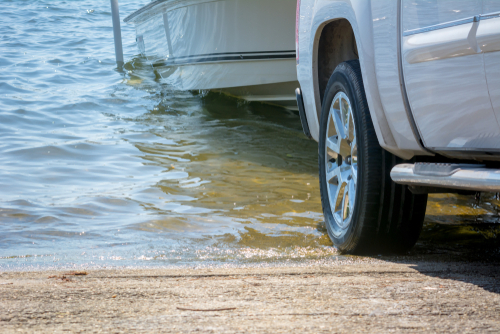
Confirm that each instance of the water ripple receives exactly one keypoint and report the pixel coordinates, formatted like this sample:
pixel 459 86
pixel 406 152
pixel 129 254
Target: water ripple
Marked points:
pixel 101 167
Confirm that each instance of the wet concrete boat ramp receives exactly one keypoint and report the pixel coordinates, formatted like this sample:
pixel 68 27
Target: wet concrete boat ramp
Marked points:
pixel 435 293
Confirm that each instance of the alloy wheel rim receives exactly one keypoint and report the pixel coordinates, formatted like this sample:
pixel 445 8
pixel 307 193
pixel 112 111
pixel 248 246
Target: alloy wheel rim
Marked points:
pixel 341 160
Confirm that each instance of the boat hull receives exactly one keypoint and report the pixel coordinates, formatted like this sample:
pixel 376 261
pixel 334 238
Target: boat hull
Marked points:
pixel 245 48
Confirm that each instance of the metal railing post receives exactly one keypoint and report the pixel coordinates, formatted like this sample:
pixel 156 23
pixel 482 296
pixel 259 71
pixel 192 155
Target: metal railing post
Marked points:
pixel 117 32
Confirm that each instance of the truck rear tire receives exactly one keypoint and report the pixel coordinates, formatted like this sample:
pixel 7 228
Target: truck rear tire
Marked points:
pixel 364 210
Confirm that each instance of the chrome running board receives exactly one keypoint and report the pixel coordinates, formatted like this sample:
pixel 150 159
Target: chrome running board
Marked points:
pixel 448 176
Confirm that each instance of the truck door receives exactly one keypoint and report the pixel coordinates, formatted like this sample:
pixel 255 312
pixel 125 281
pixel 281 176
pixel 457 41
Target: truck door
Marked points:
pixel 488 37
pixel 445 77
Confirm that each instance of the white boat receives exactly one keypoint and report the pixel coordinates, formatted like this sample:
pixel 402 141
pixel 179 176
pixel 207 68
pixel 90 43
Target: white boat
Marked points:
pixel 245 48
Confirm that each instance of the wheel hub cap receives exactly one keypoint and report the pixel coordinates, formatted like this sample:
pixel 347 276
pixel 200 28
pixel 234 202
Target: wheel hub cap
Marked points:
pixel 341 160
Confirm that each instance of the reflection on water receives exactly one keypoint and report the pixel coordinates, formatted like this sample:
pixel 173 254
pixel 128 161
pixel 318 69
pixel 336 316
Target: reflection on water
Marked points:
pixel 108 168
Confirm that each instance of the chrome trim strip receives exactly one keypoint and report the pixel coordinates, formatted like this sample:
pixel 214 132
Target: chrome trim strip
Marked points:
pixel 490 16
pixel 450 24
pixel 440 26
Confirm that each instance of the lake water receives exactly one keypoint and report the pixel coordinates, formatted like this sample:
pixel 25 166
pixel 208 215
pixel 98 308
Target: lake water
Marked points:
pixel 101 167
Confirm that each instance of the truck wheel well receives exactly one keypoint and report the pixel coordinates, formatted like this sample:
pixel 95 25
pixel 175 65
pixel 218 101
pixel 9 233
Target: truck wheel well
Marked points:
pixel 336 45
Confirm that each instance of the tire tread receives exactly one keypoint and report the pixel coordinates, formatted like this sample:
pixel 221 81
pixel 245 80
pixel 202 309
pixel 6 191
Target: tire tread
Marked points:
pixel 391 216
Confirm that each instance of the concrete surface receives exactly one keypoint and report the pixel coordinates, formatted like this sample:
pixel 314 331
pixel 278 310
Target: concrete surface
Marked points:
pixel 365 295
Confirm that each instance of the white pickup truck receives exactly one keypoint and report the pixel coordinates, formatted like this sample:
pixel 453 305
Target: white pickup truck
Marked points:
pixel 403 97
